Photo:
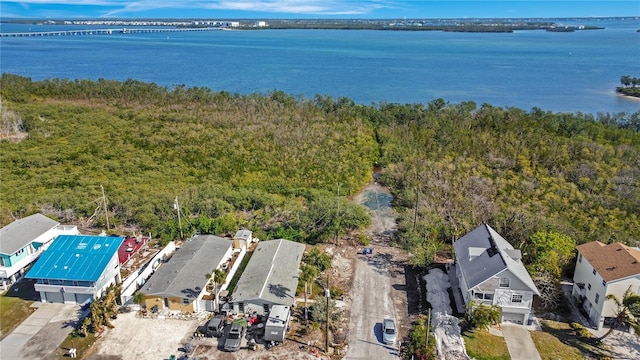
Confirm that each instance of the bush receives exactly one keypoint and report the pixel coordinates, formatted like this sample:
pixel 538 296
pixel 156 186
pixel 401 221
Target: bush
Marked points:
pixel 580 330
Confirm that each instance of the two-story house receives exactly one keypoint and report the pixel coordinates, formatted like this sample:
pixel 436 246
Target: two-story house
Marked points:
pixel 602 270
pixel 23 241
pixel 77 269
pixel 490 271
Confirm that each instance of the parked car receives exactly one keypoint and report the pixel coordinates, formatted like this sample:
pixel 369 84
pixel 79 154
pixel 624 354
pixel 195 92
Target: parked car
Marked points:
pixel 389 331
pixel 234 338
pixel 215 326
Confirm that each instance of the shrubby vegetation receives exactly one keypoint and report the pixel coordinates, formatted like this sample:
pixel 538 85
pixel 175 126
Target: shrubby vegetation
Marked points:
pixel 269 163
pixel 273 162
pixel 630 86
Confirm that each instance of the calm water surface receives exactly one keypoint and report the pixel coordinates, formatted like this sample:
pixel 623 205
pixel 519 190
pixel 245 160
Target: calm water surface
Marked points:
pixel 561 72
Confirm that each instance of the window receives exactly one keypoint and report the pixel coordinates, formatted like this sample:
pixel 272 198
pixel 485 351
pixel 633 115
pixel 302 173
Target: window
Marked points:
pixel 604 283
pixel 597 298
pixel 516 298
pixel 186 301
pixel 478 295
pixel 589 286
pixel 594 271
pixel 504 282
pixel 579 258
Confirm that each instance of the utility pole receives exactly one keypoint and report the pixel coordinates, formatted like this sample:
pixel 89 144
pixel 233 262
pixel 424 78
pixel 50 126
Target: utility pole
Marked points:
pixel 337 215
pixel 327 294
pixel 428 325
pixel 104 205
pixel 176 206
pixel 415 215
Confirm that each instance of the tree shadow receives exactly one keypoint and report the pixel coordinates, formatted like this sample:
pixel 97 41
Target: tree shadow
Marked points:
pixel 280 291
pixel 570 337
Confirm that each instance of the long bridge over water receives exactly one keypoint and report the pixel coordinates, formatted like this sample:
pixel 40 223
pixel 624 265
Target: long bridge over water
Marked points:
pixel 137 30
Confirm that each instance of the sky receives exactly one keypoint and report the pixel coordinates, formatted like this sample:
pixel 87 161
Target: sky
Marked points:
pixel 322 9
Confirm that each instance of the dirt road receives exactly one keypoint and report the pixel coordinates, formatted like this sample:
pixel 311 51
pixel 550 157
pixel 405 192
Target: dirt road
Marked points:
pixel 378 283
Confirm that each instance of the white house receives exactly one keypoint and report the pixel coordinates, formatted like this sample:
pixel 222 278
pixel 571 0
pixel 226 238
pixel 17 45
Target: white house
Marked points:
pixel 602 270
pixel 77 269
pixel 23 241
pixel 180 284
pixel 270 278
pixel 490 271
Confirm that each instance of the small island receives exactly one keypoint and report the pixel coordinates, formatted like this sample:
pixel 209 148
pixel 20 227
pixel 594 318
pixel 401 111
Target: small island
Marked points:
pixel 630 86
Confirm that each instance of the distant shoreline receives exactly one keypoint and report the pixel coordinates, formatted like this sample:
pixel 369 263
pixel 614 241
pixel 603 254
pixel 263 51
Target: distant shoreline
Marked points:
pixel 637 98
pixel 446 25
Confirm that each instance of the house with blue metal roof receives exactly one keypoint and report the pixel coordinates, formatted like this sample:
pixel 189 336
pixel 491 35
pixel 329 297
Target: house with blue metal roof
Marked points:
pixel 77 269
pixel 23 241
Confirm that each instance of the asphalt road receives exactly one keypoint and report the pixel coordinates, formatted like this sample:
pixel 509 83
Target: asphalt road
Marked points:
pixel 372 302
pixel 374 296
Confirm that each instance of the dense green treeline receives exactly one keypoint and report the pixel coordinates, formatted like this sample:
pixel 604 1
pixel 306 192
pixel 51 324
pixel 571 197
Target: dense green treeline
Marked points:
pixel 267 162
pixel 273 163
pixel 453 167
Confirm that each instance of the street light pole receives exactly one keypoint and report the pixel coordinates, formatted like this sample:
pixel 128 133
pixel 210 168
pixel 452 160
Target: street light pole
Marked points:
pixel 327 294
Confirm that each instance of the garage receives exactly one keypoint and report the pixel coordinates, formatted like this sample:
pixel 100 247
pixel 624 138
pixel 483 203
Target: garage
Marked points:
pixel 83 298
pixel 53 297
pixel 513 318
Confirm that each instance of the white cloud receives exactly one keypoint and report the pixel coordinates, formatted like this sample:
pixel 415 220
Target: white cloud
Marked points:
pixel 309 7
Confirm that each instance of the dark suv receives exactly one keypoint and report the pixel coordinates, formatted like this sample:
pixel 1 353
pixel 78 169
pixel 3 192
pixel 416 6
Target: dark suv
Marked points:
pixel 215 326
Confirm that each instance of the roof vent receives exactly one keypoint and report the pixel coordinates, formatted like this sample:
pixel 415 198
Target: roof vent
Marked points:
pixel 514 254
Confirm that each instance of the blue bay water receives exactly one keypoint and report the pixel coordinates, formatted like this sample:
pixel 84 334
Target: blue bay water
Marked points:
pixel 560 72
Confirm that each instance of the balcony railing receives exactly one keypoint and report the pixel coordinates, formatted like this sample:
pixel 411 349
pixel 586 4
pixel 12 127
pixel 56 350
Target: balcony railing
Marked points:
pixel 67 288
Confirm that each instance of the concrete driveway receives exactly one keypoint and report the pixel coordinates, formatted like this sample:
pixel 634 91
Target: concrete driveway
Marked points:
pixel 41 333
pixel 519 342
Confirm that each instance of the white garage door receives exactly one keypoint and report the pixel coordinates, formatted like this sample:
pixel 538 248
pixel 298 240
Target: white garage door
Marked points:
pixel 513 318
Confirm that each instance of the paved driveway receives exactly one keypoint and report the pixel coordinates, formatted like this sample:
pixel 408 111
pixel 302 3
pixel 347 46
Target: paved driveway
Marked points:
pixel 519 342
pixel 41 333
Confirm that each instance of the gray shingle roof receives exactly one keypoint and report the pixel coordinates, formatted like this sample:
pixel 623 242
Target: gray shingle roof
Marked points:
pixel 478 268
pixel 272 273
pixel 21 232
pixel 184 275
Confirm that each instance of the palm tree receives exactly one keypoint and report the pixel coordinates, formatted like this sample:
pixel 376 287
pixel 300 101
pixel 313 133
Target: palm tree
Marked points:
pixel 139 298
pixel 627 312
pixel 307 274
pixel 625 80
pixel 219 277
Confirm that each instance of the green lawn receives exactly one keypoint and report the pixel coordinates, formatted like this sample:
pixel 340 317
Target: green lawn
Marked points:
pixel 82 344
pixel 558 340
pixel 13 311
pixel 482 345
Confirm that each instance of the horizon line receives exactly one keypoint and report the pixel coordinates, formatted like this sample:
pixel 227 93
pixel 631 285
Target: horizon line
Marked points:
pixel 315 18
